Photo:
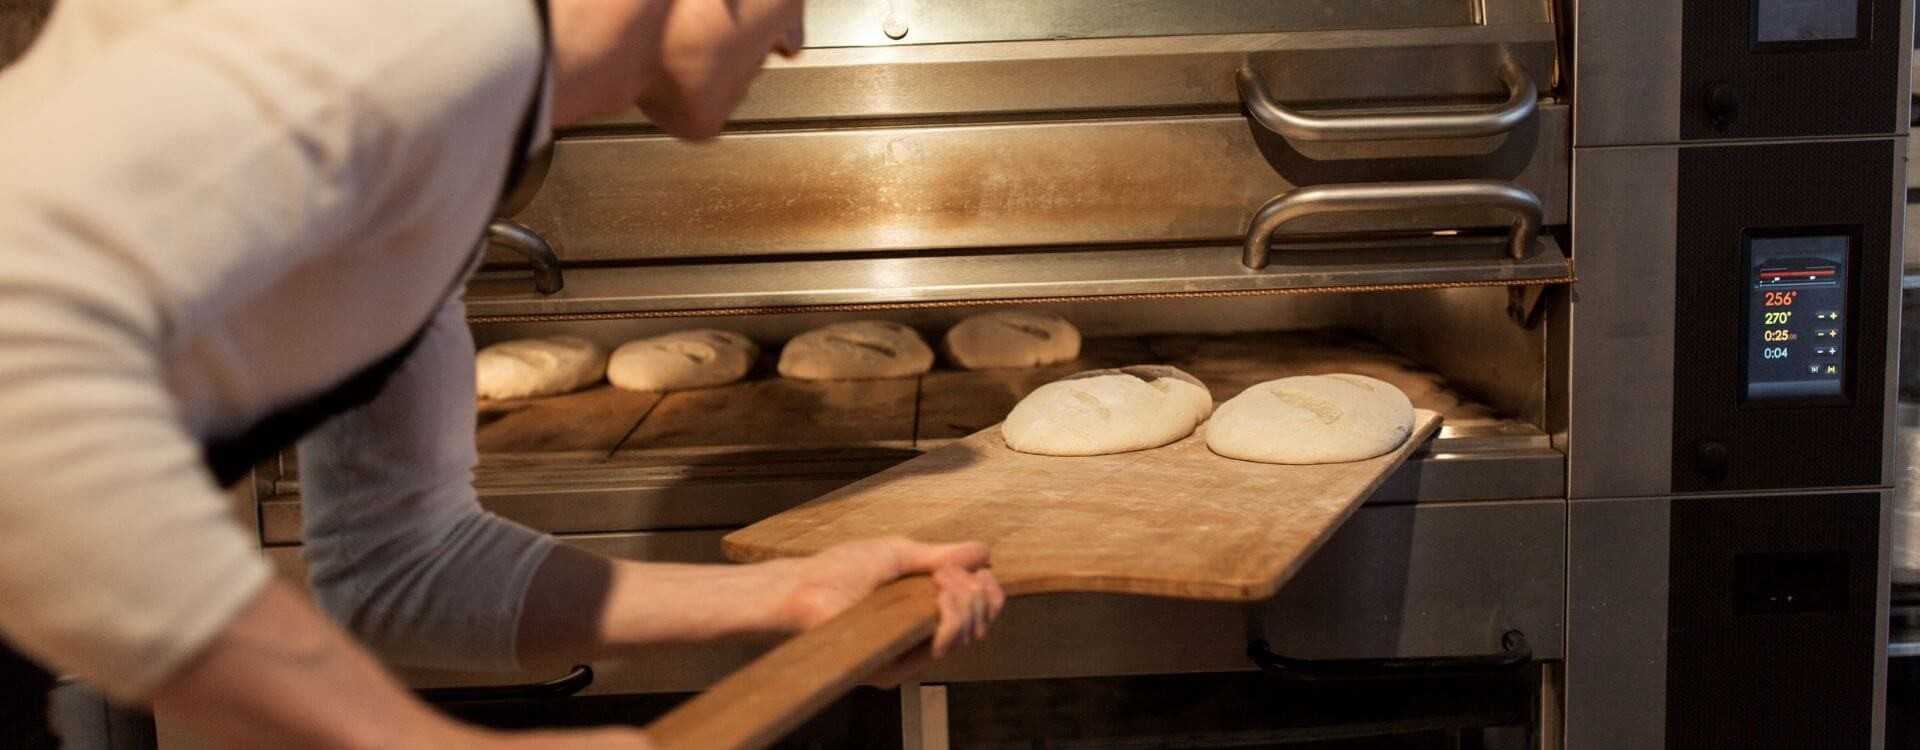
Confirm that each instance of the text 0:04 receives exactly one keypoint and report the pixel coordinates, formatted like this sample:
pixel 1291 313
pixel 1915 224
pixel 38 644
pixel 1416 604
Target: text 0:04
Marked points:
pixel 1774 352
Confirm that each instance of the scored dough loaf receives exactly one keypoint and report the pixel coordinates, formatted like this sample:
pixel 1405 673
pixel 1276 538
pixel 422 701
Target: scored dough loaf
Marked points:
pixel 1108 411
pixel 1012 339
pixel 526 368
pixel 700 358
pixel 1312 419
pixel 856 350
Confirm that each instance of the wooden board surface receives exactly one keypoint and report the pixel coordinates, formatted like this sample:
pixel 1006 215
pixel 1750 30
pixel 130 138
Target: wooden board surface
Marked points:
pixel 778 411
pixel 1176 521
pixel 594 420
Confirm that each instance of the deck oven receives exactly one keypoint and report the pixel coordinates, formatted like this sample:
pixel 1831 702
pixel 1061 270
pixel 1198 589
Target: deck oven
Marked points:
pixel 1638 253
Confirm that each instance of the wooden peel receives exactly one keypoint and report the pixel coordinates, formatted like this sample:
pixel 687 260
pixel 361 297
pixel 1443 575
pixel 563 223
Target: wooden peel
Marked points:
pixel 1175 521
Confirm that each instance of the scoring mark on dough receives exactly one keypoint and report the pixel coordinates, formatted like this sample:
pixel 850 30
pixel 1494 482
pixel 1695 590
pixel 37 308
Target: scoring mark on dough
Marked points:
pixel 698 355
pixel 881 349
pixel 1320 408
pixel 1028 329
pixel 1093 403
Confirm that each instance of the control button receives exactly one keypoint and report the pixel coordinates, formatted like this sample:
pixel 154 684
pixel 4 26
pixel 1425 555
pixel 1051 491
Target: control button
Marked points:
pixel 1711 458
pixel 1813 369
pixel 1723 105
pixel 1833 369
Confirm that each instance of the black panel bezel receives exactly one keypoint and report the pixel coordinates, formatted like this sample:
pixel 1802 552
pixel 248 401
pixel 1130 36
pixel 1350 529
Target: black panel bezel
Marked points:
pixel 1788 89
pixel 1853 234
pixel 1792 676
pixel 1861 40
pixel 1724 192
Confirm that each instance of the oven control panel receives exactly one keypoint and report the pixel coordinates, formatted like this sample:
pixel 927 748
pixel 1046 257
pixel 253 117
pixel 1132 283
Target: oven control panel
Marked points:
pixel 1796 332
pixel 1784 262
pixel 1791 68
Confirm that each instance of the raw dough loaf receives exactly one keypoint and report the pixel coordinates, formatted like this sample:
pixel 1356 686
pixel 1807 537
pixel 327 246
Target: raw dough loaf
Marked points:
pixel 537 367
pixel 1312 419
pixel 1012 339
pixel 857 350
pixel 1108 411
pixel 700 358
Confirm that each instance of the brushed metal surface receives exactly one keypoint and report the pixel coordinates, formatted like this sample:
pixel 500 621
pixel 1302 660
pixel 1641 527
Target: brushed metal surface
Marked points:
pixel 846 23
pixel 1621 384
pixel 1891 459
pixel 696 287
pixel 1626 66
pixel 1063 183
pixel 1338 69
pixel 1443 580
pixel 1458 570
pixel 595 498
pixel 1617 623
pixel 1466 335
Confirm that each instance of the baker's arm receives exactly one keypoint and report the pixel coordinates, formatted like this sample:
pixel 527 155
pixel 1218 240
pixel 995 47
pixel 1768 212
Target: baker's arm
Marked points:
pixel 400 550
pixel 281 676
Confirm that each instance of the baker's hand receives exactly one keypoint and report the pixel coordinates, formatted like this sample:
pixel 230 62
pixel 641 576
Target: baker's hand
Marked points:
pixel 828 583
pixel 686 63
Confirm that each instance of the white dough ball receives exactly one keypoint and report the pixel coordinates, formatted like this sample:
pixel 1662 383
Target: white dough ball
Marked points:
pixel 857 350
pixel 1312 419
pixel 1108 411
pixel 1012 339
pixel 537 367
pixel 700 358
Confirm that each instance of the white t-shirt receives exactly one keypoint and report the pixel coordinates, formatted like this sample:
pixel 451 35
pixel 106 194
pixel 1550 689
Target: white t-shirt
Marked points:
pixel 211 209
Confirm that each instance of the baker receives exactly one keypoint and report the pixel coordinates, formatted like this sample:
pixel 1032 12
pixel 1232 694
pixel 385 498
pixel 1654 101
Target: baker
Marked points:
pixel 226 225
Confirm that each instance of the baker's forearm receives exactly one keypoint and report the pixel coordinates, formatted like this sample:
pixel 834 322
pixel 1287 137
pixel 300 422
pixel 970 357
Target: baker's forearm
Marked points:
pixel 582 605
pixel 281 676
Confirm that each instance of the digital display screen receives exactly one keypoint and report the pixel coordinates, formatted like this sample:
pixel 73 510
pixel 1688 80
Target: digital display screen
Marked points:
pixel 1805 20
pixel 1796 316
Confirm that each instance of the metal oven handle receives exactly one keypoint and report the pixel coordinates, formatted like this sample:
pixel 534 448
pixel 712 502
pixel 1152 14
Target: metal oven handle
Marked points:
pixel 528 243
pixel 1299 203
pixel 1523 100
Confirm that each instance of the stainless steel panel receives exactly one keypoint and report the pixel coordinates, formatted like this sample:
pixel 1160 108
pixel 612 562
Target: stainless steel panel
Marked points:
pixel 1501 462
pixel 1883 612
pixel 1184 179
pixel 849 23
pixel 1440 580
pixel 1617 624
pixel 696 288
pixel 1626 67
pixel 1326 68
pixel 1621 385
pixel 1891 459
pixel 1396 581
pixel 1466 334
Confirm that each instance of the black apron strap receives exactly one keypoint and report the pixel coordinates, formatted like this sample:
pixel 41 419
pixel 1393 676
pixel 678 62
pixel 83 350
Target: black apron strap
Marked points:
pixel 23 703
pixel 24 685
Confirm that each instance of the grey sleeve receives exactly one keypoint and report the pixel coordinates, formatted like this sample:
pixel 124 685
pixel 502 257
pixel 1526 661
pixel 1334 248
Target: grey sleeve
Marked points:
pixel 400 551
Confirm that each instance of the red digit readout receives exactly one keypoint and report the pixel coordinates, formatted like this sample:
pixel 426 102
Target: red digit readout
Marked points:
pixel 1779 299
